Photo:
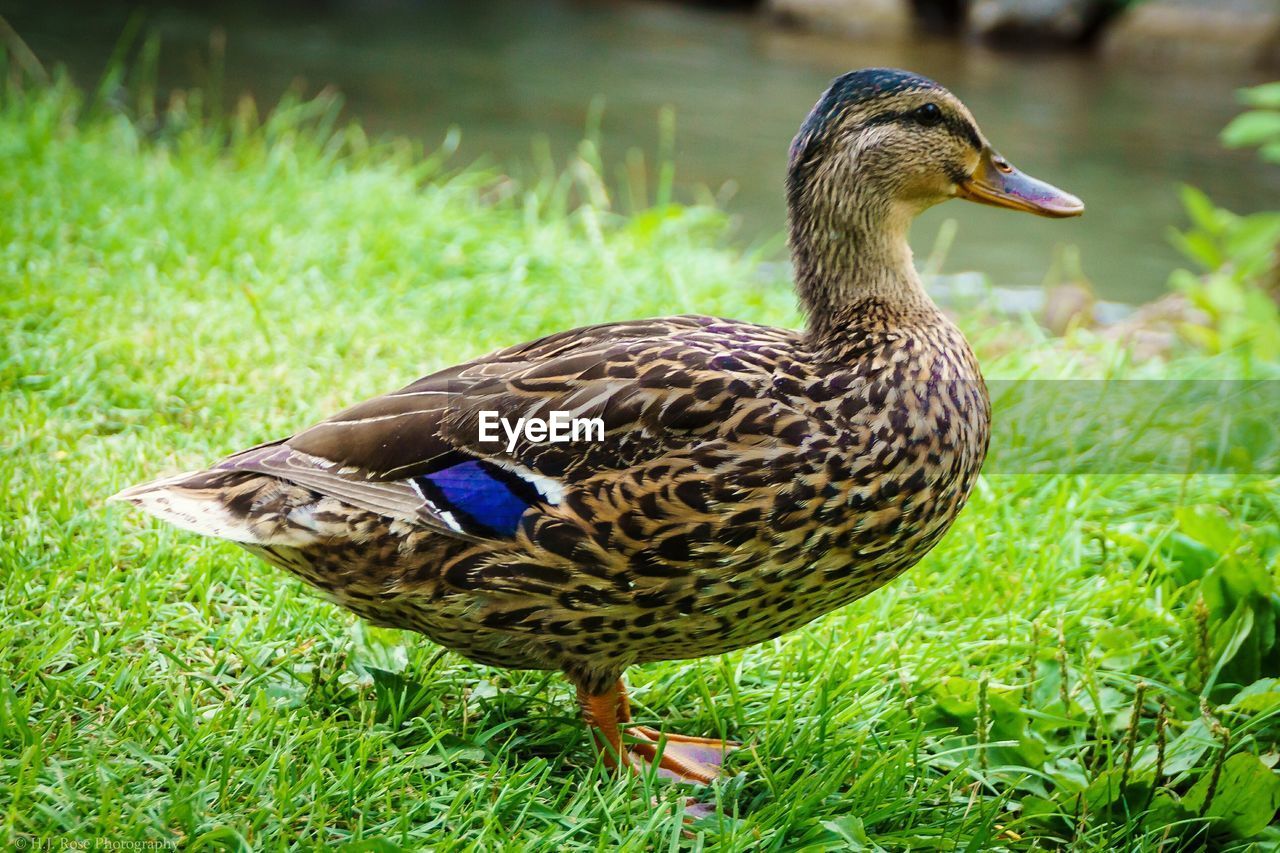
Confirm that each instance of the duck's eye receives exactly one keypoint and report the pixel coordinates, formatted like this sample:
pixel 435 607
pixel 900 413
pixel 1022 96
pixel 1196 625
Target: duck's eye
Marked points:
pixel 927 115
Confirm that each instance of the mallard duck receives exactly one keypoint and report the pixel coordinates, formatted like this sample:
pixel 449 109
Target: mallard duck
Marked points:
pixel 745 479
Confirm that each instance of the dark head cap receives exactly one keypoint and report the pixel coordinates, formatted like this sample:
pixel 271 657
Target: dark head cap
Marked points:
pixel 854 89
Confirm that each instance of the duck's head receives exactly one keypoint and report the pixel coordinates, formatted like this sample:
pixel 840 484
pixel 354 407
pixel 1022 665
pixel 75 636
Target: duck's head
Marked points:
pixel 880 147
pixel 886 137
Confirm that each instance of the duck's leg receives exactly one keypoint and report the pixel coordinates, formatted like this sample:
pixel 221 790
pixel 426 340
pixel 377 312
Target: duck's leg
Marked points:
pixel 685 759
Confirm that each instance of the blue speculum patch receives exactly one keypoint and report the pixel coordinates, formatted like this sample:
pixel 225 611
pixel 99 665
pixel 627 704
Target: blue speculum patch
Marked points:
pixel 478 495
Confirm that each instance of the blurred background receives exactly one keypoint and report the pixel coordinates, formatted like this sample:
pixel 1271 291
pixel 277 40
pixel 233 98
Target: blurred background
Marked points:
pixel 1117 102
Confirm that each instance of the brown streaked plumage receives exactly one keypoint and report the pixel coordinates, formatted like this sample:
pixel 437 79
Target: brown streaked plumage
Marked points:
pixel 749 480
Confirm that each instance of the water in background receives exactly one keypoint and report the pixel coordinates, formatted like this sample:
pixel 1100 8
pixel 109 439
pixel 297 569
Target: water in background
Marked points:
pixel 507 72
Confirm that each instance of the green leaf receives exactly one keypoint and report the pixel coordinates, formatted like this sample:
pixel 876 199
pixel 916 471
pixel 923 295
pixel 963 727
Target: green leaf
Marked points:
pixel 1246 799
pixel 1199 247
pixel 1104 790
pixel 957 697
pixel 1256 127
pixel 1203 212
pixel 1267 841
pixel 955 706
pixel 851 831
pixel 1040 807
pixel 1191 557
pixel 1209 525
pixel 1260 696
pixel 1166 810
pixel 1266 95
pixel 1237 630
pixel 1234 580
pixel 1118 648
pixel 1187 749
pixel 1251 241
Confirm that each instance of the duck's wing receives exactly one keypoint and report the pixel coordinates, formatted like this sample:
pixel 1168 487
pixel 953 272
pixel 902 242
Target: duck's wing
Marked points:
pixel 435 452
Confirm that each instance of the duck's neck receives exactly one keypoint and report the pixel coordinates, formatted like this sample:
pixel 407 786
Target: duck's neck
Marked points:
pixel 853 266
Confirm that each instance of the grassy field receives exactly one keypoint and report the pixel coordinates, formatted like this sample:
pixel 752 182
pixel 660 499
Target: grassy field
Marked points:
pixel 1085 661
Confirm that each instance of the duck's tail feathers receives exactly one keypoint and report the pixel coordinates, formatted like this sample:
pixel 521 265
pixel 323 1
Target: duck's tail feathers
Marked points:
pixel 240 506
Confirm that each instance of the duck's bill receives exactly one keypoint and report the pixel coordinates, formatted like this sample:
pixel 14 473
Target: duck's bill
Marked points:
pixel 996 182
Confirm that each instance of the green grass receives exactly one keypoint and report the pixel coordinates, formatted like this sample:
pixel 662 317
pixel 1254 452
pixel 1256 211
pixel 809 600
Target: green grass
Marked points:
pixel 173 290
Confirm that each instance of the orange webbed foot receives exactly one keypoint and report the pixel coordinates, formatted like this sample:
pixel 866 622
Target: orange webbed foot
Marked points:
pixel 694 760
pixel 679 757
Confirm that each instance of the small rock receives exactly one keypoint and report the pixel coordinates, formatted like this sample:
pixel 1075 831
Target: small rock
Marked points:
pixel 1067 306
pixel 1153 330
pixel 1069 301
pixel 1240 33
pixel 860 19
pixel 1036 21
